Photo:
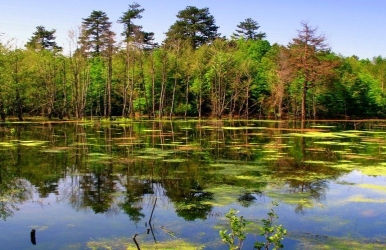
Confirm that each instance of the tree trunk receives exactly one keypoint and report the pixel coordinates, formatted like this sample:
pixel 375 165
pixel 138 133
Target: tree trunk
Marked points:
pixel 153 86
pixel 109 77
pixel 187 96
pixel 304 100
pixel 173 96
pixel 2 112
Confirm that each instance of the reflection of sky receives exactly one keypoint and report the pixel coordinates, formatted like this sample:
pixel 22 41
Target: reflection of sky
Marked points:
pixel 337 215
pixel 59 223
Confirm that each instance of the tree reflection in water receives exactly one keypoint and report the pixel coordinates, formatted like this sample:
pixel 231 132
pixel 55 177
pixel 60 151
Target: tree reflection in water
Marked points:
pixel 191 167
pixel 13 192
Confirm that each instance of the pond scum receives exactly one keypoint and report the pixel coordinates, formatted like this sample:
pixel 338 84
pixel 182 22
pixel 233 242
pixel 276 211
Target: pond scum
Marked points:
pixel 128 244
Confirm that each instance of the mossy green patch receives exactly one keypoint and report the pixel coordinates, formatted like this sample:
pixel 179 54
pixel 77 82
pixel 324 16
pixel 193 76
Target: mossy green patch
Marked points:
pixel 128 243
pixel 347 134
pixel 344 166
pixel 32 143
pixel 6 144
pixel 152 130
pixel 176 244
pixel 176 160
pixel 242 128
pixel 149 157
pixel 378 188
pixel 319 242
pixel 54 151
pixel 316 134
pixel 335 143
pixel 224 195
pixel 318 162
pixel 322 126
pixel 360 198
pixel 374 170
pixel 302 199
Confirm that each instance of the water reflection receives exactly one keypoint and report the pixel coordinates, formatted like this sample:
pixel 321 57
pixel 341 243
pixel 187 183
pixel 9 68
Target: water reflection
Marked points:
pixel 123 168
pixel 14 190
pixel 108 167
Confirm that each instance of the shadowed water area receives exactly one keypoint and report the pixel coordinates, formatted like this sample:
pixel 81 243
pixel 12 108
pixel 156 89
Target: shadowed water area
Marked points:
pixel 94 185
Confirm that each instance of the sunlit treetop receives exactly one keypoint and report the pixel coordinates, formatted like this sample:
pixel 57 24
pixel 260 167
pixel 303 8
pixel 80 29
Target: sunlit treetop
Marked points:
pixel 195 25
pixel 43 39
pixel 248 30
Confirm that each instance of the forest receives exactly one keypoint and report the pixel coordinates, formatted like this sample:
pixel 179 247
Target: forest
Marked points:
pixel 194 72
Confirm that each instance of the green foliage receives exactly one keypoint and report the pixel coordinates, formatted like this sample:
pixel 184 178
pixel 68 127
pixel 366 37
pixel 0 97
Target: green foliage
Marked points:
pixel 248 30
pixel 237 235
pixel 134 12
pixel 273 234
pixel 194 73
pixel 194 25
pixel 43 39
pixel 96 33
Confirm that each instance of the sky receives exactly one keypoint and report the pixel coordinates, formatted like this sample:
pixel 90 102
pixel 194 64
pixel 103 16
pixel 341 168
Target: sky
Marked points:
pixel 351 27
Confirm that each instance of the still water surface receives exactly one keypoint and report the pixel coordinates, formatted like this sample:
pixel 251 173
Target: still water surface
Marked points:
pixel 92 185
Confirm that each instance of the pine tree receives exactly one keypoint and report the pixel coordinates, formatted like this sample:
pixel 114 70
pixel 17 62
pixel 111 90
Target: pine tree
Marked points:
pixel 134 12
pixel 195 25
pixel 248 30
pixel 96 33
pixel 43 39
pixel 133 33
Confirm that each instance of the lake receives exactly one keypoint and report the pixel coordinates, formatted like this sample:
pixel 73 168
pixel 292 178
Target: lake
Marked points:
pixel 95 185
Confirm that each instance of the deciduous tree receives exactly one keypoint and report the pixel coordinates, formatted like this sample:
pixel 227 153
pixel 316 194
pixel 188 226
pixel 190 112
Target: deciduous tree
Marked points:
pixel 306 59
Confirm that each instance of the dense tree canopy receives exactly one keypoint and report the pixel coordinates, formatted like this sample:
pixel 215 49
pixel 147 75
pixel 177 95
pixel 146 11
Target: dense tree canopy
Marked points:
pixel 194 73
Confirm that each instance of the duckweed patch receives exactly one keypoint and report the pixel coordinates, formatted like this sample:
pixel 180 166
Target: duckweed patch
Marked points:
pixel 224 195
pixel 316 134
pixel 362 199
pixel 32 143
pixel 378 188
pixel 322 242
pixel 177 244
pixel 6 144
pixel 54 150
pixel 374 170
pixel 318 162
pixel 303 199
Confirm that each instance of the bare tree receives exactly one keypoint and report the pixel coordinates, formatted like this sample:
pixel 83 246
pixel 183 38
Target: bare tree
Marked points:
pixel 307 62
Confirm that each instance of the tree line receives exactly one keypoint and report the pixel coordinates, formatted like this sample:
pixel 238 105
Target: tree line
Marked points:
pixel 194 72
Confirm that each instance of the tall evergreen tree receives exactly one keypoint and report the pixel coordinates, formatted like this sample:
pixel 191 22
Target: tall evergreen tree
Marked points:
pixel 248 30
pixel 195 25
pixel 96 34
pixel 134 12
pixel 133 33
pixel 43 39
